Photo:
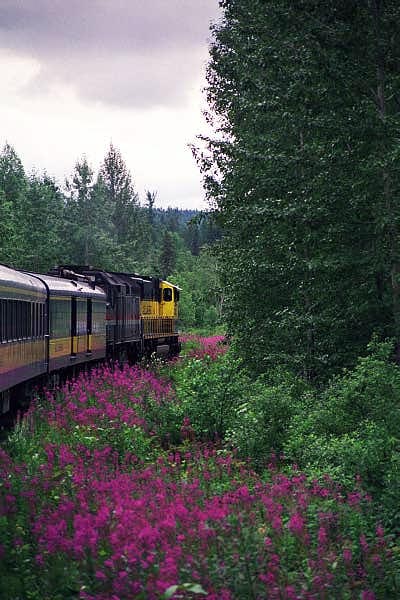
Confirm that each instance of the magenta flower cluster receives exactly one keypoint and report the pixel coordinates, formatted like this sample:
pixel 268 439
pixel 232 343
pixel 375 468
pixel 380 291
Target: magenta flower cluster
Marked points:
pixel 108 398
pixel 211 347
pixel 193 517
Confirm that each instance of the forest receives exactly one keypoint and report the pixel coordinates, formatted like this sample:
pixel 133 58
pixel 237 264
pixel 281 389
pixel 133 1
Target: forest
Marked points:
pixel 99 220
pixel 265 461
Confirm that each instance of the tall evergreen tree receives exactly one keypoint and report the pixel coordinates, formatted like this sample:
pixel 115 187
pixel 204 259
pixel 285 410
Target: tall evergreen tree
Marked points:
pixel 121 195
pixel 43 216
pixel 168 254
pixel 87 233
pixel 194 238
pixel 131 226
pixel 150 202
pixel 82 196
pixel 8 232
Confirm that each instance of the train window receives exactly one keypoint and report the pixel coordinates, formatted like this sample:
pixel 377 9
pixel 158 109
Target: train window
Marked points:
pixel 13 320
pixel 35 329
pixel 28 312
pixel 176 295
pixel 73 325
pixel 41 320
pixel 167 294
pixel 3 321
pixel 60 313
pixel 36 320
pixel 18 319
pixel 89 316
pixel 98 320
pixel 24 319
pixel 9 324
pixel 81 317
pixel 6 321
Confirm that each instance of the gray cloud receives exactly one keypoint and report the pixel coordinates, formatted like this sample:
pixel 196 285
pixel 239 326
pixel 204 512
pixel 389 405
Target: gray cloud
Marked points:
pixel 122 52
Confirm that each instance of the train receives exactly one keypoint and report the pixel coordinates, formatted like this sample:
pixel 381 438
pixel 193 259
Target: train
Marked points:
pixel 53 325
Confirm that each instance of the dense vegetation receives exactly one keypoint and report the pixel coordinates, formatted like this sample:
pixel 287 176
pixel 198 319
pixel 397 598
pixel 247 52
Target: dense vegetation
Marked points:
pixel 303 173
pixel 99 221
pixel 125 485
pixel 276 462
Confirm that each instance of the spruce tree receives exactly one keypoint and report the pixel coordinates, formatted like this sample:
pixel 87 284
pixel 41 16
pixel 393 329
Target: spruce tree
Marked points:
pixel 123 199
pixel 42 225
pixel 168 254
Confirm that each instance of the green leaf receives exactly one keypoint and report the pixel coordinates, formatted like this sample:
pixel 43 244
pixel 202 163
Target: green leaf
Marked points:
pixel 169 592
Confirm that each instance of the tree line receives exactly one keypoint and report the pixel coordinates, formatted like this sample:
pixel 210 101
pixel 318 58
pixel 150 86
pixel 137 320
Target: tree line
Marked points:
pixel 303 171
pixel 99 220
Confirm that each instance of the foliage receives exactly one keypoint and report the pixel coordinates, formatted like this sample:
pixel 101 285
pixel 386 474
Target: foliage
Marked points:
pixel 12 188
pixel 348 430
pixel 210 387
pixel 301 171
pixel 122 198
pixel 351 429
pixel 43 211
pixel 202 298
pixel 91 506
pixel 264 419
pixel 168 255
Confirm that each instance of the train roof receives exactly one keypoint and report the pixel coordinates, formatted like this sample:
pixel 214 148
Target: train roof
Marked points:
pixel 171 284
pixel 100 276
pixel 110 278
pixel 26 285
pixel 59 286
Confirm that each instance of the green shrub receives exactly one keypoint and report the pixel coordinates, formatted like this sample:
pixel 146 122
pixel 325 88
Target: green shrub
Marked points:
pixel 210 392
pixel 370 392
pixel 262 422
pixel 353 429
pixel 363 452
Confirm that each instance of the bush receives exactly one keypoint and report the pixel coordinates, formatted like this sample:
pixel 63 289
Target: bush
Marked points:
pixel 353 429
pixel 209 391
pixel 262 422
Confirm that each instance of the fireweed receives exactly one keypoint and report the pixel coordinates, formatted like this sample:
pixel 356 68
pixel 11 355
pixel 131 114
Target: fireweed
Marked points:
pixel 110 530
pixel 126 409
pixel 87 516
pixel 200 347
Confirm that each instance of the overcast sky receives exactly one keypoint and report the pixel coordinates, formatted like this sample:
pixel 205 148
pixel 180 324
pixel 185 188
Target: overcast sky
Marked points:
pixel 79 74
